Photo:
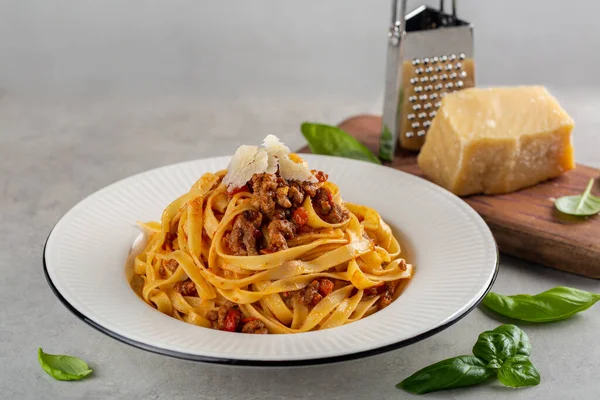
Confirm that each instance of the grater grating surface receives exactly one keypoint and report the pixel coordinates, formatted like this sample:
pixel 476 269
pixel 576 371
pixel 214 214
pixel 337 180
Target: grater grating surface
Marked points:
pixel 430 54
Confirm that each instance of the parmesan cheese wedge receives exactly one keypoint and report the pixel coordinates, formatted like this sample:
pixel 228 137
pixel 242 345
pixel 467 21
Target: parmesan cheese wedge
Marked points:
pixel 497 140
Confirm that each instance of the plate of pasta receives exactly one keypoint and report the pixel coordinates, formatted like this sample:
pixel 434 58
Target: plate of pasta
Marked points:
pixel 271 258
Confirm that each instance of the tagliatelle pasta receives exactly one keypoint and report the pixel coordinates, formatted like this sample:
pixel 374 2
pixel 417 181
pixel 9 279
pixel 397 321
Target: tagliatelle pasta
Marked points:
pixel 272 256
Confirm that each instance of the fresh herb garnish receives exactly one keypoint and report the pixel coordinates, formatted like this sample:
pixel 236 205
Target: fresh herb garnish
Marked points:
pixel 503 342
pixel 552 305
pixel 330 140
pixel 580 205
pixel 63 368
pixel 503 352
pixel 518 371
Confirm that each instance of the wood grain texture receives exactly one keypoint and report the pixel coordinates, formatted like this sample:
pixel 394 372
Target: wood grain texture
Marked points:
pixel 525 224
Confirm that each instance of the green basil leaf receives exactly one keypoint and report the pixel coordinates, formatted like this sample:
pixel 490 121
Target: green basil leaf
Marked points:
pixel 330 140
pixel 63 368
pixel 386 144
pixel 518 371
pixel 581 205
pixel 447 374
pixel 552 305
pixel 494 364
pixel 501 343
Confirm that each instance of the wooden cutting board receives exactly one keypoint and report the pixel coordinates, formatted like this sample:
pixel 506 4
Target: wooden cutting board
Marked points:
pixel 525 223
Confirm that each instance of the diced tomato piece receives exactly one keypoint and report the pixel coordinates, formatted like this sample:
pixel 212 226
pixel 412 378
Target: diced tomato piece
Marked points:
pixel 300 216
pixel 325 287
pixel 232 320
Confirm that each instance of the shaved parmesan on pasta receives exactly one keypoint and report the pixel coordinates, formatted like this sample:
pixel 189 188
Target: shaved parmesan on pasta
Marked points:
pixel 274 155
pixel 275 147
pixel 247 161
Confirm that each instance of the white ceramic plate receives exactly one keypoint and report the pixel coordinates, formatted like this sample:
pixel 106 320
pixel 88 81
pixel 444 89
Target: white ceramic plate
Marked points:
pixel 452 248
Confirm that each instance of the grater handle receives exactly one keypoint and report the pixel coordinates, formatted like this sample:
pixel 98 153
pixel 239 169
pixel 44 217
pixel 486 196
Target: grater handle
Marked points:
pixel 398 13
pixel 393 79
pixel 443 2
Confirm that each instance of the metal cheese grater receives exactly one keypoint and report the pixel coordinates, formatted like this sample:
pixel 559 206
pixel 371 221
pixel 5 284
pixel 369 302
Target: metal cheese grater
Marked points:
pixel 430 53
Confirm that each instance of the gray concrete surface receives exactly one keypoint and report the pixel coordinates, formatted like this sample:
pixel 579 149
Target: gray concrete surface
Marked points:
pixel 93 91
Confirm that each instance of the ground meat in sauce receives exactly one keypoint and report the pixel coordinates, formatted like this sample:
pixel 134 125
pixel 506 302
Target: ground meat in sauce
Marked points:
pixel 387 293
pixel 320 175
pixel 322 202
pixel 309 188
pixel 186 288
pixel 278 204
pixel 309 296
pixel 282 196
pixel 264 187
pixel 295 194
pixel 171 265
pixel 280 230
pixel 327 209
pixel 288 299
pixel 255 326
pixel 272 192
pixel 315 291
pixel 243 237
pixel 372 291
pixel 227 317
pixel 170 237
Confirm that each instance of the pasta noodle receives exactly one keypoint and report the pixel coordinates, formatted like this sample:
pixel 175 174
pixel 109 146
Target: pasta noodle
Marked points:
pixel 209 262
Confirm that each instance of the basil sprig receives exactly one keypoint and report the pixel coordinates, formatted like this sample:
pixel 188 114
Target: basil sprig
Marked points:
pixel 63 368
pixel 552 305
pixel 330 140
pixel 580 205
pixel 507 350
pixel 503 352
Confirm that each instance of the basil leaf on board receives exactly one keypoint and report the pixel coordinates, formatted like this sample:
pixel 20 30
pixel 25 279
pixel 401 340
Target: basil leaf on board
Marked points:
pixel 518 371
pixel 63 368
pixel 580 205
pixel 330 140
pixel 447 374
pixel 552 305
pixel 501 343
